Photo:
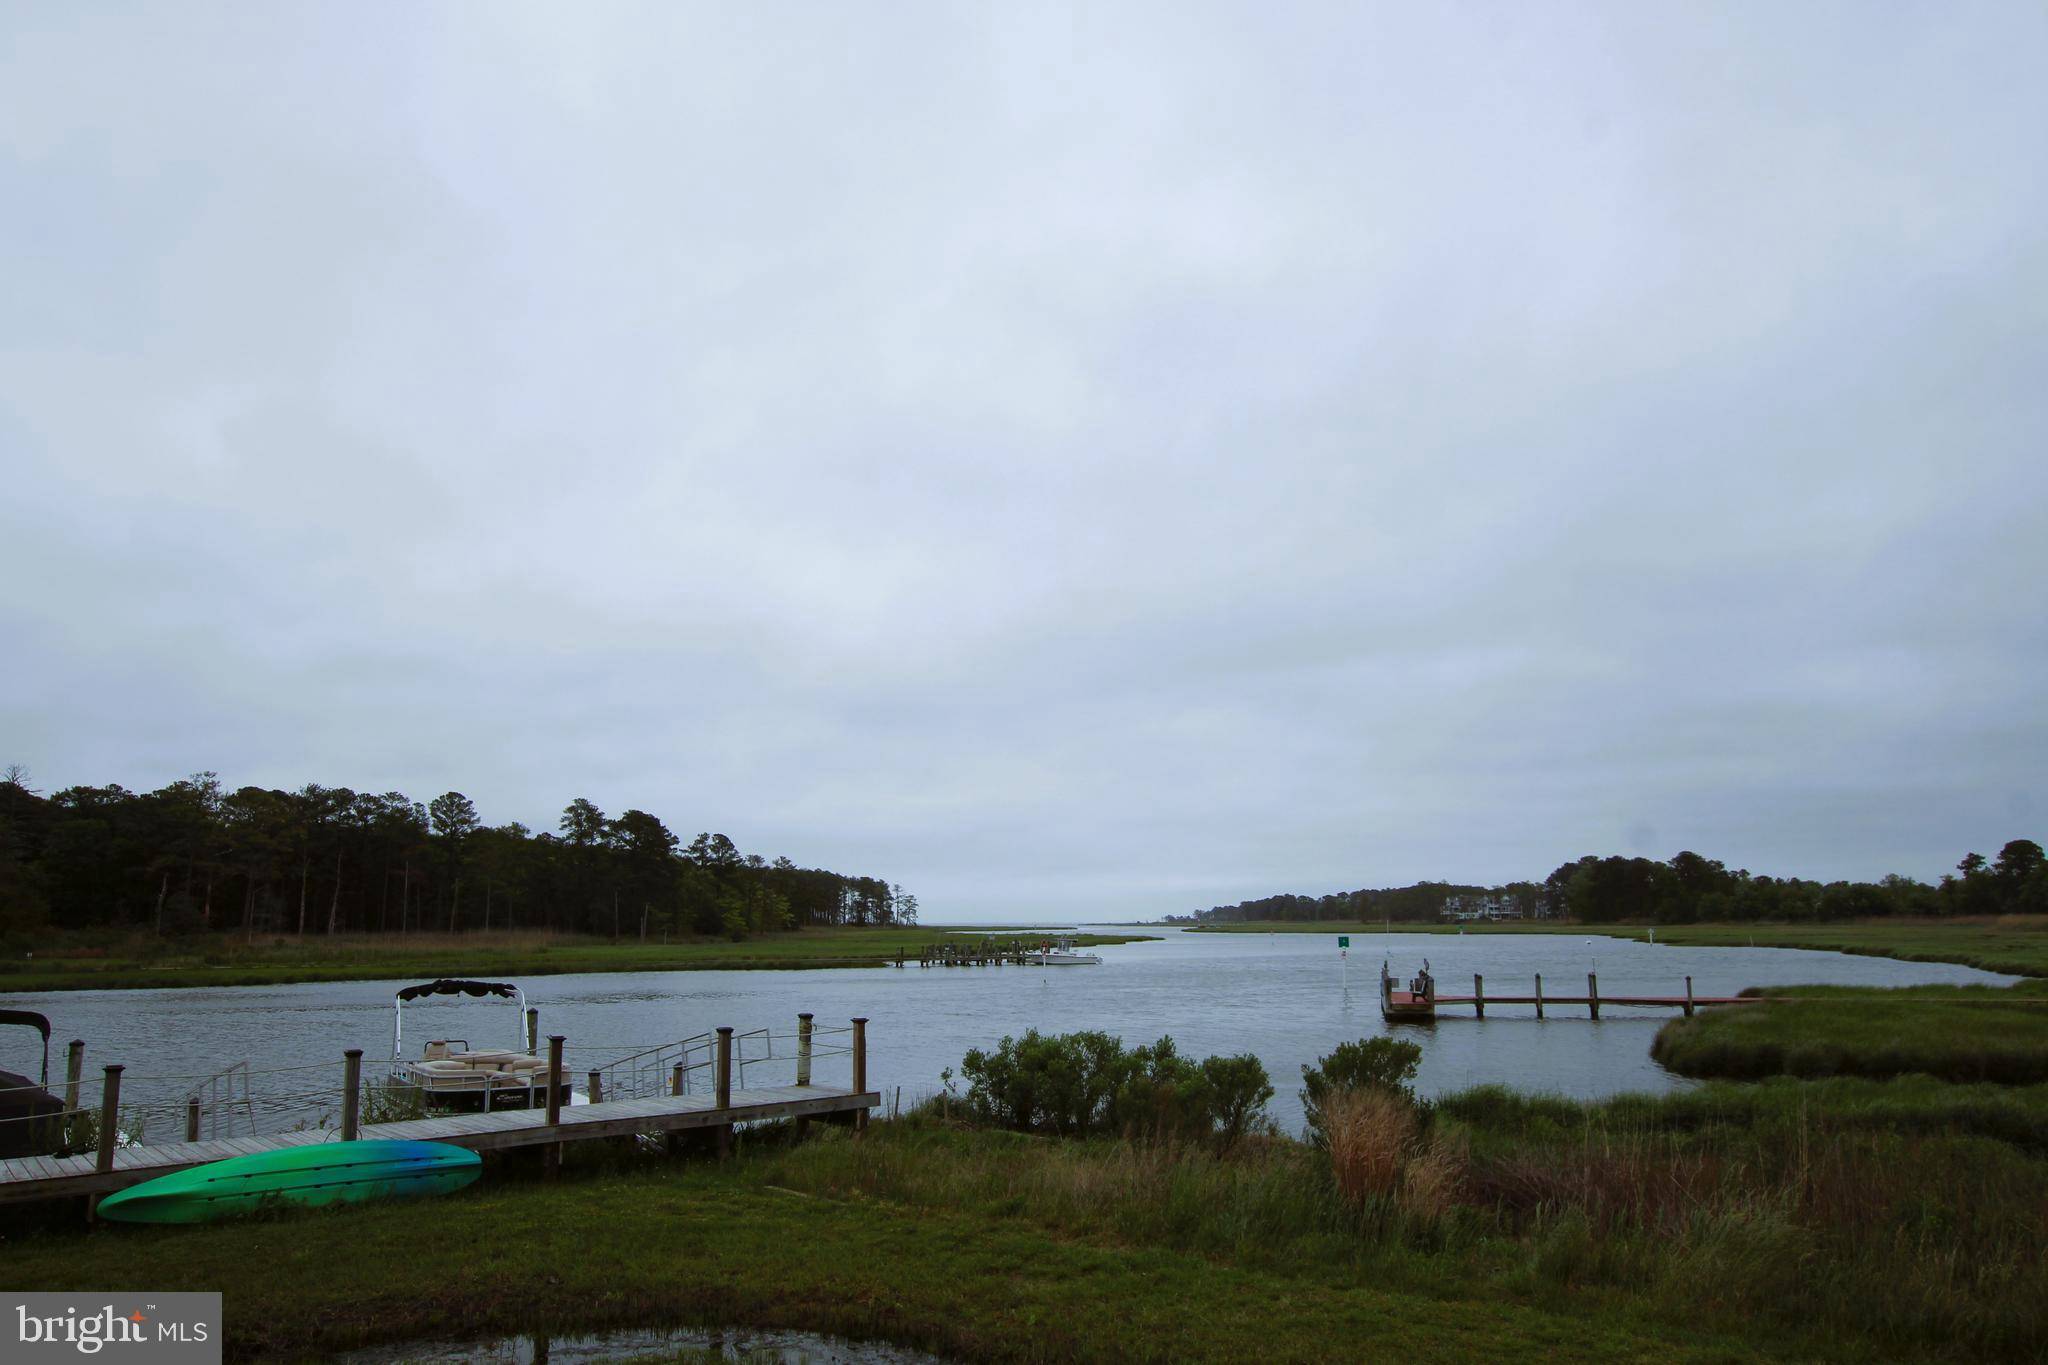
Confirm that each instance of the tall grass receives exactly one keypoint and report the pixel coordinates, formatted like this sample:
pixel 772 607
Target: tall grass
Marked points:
pixel 1828 1226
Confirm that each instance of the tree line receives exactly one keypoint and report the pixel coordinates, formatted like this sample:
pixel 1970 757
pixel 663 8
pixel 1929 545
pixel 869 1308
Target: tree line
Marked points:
pixel 1688 888
pixel 1422 901
pixel 196 857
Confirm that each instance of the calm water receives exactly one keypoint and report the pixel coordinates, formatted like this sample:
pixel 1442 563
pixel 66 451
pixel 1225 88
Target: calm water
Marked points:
pixel 1285 997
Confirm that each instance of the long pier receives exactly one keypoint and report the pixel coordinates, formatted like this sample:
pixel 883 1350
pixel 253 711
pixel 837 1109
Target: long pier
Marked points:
pixel 550 1126
pixel 1420 1001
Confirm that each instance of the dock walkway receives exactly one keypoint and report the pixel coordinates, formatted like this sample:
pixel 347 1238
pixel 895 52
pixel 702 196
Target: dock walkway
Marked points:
pixel 25 1178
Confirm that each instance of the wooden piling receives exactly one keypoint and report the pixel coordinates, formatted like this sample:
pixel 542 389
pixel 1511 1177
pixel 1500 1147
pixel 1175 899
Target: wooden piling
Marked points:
pixel 597 1087
pixel 552 1157
pixel 1593 994
pixel 1539 995
pixel 675 1079
pixel 110 1116
pixel 532 1031
pixel 1688 997
pixel 351 1094
pixel 1478 996
pixel 724 1087
pixel 191 1118
pixel 74 1071
pixel 803 1063
pixel 860 1073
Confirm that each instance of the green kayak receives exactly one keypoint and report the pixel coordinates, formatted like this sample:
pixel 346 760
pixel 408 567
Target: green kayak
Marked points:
pixel 319 1173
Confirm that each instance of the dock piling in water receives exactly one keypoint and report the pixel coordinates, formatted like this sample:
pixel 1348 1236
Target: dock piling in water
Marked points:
pixel 1478 996
pixel 1539 995
pixel 74 1070
pixel 1688 997
pixel 1593 994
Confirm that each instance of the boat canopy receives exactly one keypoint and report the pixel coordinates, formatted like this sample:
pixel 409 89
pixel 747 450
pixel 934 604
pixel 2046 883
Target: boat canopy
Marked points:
pixel 445 986
pixel 40 1023
pixel 449 986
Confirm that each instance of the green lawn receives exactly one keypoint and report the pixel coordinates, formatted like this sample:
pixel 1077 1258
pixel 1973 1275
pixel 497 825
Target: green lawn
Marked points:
pixel 220 961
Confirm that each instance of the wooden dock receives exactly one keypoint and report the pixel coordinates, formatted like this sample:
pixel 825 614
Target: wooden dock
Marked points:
pixel 46 1177
pixel 114 1166
pixel 1420 1001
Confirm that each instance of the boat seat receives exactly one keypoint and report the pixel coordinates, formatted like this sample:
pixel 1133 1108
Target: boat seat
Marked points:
pixel 436 1050
pixel 527 1064
pixel 487 1057
pixel 443 1067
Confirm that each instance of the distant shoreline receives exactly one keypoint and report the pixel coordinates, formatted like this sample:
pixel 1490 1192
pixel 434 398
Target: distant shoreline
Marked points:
pixel 2014 944
pixel 195 964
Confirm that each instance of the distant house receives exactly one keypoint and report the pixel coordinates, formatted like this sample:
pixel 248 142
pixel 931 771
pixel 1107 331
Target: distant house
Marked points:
pixel 1470 909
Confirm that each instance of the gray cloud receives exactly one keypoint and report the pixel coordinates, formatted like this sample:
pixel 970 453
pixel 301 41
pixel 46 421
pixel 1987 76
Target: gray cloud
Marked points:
pixel 1073 464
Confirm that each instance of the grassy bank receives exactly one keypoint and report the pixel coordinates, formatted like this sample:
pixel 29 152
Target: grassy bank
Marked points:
pixel 977 1246
pixel 1975 1033
pixel 2017 944
pixel 141 961
pixel 1844 1220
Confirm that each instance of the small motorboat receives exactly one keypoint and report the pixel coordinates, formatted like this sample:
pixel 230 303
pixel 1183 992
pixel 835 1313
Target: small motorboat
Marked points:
pixel 1061 952
pixel 450 1074
pixel 31 1118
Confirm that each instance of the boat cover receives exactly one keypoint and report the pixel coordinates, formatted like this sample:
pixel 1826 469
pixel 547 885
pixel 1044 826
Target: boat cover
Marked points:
pixel 28 1123
pixel 29 1018
pixel 448 986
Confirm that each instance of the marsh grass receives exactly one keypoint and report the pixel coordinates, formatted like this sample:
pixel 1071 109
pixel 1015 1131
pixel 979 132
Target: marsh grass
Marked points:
pixel 1834 1230
pixel 1966 1034
pixel 1788 1227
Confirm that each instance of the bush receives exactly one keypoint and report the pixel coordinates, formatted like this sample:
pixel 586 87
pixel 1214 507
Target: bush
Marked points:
pixel 1088 1082
pixel 1368 1064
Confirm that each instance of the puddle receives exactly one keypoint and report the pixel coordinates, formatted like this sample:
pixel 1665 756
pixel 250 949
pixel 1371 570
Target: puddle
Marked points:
pixel 754 1346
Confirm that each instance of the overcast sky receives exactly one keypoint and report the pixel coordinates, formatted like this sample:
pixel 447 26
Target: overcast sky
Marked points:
pixel 1073 464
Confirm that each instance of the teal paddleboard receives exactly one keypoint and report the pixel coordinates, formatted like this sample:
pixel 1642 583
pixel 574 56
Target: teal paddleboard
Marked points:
pixel 318 1173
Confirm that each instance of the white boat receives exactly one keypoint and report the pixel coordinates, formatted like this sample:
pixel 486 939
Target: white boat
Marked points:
pixel 1062 953
pixel 450 1074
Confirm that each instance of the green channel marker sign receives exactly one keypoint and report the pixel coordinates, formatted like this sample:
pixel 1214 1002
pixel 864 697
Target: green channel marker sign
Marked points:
pixel 1343 940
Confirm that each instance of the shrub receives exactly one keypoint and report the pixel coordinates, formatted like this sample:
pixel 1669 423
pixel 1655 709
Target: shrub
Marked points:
pixel 1088 1082
pixel 1238 1092
pixel 1369 1064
